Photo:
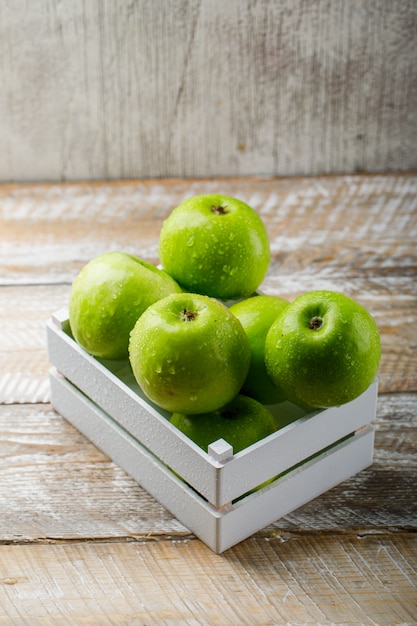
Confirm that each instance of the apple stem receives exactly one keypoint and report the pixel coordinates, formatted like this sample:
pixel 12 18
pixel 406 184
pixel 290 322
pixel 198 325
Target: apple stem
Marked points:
pixel 315 323
pixel 188 316
pixel 219 210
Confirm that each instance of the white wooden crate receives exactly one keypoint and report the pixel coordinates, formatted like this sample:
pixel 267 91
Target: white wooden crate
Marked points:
pixel 217 498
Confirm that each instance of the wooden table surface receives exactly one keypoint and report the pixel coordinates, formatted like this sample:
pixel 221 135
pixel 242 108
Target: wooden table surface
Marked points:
pixel 82 543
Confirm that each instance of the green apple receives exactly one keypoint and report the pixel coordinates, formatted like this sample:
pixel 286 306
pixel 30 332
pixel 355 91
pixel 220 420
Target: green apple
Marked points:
pixel 323 350
pixel 189 354
pixel 256 315
pixel 241 422
pixel 108 296
pixel 216 246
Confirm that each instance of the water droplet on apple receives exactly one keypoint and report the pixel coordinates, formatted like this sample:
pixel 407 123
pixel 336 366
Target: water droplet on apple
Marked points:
pixel 193 398
pixel 158 369
pixel 190 242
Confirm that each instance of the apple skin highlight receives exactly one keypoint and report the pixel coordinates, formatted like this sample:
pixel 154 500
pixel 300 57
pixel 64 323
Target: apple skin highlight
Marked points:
pixel 257 314
pixel 189 353
pixel 215 245
pixel 323 350
pixel 107 297
pixel 241 422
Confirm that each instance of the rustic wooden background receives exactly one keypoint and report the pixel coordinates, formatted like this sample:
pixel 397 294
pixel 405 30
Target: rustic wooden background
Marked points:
pixel 107 89
pixel 82 544
pixel 204 92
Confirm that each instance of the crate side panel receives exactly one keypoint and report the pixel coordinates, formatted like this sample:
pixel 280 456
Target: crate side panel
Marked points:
pixel 295 443
pixel 133 413
pixel 218 483
pixel 297 488
pixel 189 508
pixel 218 530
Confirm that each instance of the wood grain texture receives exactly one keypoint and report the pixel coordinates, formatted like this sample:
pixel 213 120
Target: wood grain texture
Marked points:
pixel 24 365
pixel 99 90
pixel 326 228
pixel 354 234
pixel 297 581
pixel 57 486
pixel 81 542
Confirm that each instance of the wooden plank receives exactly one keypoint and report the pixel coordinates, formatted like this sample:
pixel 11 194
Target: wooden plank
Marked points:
pixel 81 542
pixel 353 234
pixel 58 486
pixel 94 90
pixel 286 579
pixel 24 364
pixel 325 230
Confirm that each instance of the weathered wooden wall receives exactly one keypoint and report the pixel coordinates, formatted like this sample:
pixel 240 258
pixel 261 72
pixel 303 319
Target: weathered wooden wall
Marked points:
pixel 104 89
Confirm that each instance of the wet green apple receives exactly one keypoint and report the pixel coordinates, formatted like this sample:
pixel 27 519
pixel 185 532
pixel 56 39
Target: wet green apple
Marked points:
pixel 323 350
pixel 189 353
pixel 108 296
pixel 216 246
pixel 241 422
pixel 256 315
